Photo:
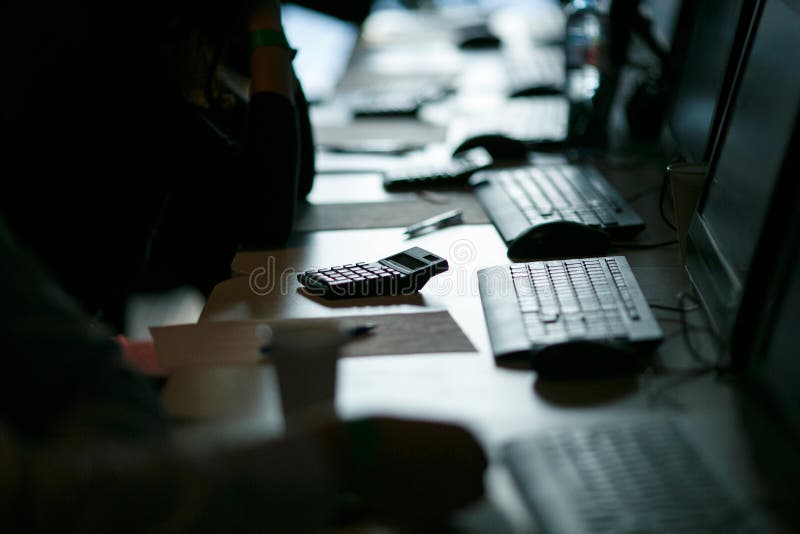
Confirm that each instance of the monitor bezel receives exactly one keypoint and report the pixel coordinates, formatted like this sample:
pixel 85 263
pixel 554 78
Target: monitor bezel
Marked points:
pixel 711 275
pixel 747 17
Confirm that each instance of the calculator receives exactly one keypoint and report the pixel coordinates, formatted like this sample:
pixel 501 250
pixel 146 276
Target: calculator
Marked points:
pixel 401 274
pixel 455 172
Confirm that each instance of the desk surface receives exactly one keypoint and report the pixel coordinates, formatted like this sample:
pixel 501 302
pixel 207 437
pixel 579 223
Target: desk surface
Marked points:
pixel 497 404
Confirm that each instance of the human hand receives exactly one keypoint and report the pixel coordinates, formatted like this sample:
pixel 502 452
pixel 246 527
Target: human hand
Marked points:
pixel 411 472
pixel 407 474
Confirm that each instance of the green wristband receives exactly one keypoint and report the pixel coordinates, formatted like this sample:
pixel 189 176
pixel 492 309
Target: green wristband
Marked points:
pixel 273 38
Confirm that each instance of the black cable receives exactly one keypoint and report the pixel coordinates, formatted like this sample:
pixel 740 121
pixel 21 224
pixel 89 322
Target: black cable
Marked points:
pixel 687 339
pixel 644 246
pixel 673 308
pixel 677 377
pixel 661 197
pixel 684 374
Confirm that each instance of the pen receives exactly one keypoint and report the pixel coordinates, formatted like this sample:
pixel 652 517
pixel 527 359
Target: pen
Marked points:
pixel 350 333
pixel 443 220
pixel 360 330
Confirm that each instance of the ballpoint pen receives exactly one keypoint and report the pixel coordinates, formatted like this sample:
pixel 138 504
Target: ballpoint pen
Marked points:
pixel 443 220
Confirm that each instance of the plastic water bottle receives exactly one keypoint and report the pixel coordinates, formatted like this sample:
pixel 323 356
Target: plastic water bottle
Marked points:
pixel 586 56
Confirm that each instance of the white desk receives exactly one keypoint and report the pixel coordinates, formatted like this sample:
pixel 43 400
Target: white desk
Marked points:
pixel 496 403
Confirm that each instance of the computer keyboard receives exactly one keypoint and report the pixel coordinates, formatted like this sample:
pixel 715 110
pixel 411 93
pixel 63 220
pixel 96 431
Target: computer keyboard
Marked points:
pixel 574 299
pixel 549 193
pixel 627 476
pixel 532 120
pixel 533 306
pixel 401 100
pixel 520 200
pixel 543 67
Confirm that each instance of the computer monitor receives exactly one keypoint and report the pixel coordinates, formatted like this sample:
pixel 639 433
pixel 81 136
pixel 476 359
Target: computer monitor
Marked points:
pixel 770 355
pixel 750 166
pixel 706 49
pixel 326 45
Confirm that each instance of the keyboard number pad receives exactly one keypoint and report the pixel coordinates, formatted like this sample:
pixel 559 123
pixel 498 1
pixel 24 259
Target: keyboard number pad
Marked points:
pixel 624 290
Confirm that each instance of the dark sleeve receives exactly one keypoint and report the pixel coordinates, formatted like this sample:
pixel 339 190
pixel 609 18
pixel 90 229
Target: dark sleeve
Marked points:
pixel 79 486
pixel 236 182
pixel 82 438
pixel 279 157
pixel 55 366
pixel 307 147
pixel 272 170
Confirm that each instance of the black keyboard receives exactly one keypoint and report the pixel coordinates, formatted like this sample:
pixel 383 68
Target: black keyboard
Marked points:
pixel 549 193
pixel 634 476
pixel 533 120
pixel 543 67
pixel 575 299
pixel 595 300
pixel 520 199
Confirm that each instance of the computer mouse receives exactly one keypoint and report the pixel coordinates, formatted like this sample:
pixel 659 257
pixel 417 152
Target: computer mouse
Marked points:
pixel 586 360
pixel 499 146
pixel 536 90
pixel 559 239
pixel 477 37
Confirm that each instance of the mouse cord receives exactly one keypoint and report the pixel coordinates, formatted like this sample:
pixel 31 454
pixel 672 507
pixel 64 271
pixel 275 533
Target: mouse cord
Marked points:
pixel 662 197
pixel 643 246
pixel 680 376
pixel 673 308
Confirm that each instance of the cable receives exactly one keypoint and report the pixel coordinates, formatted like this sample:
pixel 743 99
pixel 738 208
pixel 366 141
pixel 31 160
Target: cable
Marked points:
pixel 705 366
pixel 699 358
pixel 644 246
pixel 661 197
pixel 673 308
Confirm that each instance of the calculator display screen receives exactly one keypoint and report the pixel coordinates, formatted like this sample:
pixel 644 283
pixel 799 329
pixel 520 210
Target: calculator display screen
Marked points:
pixel 407 261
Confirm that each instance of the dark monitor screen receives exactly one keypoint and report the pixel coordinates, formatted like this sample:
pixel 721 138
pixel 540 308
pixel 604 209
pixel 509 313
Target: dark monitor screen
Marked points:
pixel 747 164
pixel 708 39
